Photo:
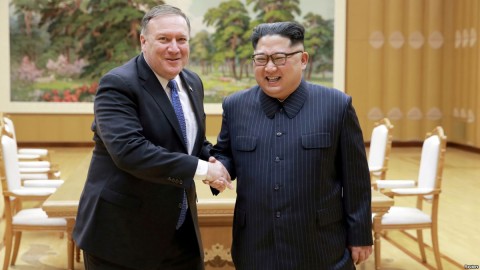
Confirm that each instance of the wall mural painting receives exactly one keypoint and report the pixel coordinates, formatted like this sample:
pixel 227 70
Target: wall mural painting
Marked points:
pixel 60 48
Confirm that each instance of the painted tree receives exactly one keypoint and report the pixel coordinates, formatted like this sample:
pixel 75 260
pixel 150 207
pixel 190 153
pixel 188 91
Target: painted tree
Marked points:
pixel 27 38
pixel 276 10
pixel 319 43
pixel 105 33
pixel 64 22
pixel 113 33
pixel 202 45
pixel 231 21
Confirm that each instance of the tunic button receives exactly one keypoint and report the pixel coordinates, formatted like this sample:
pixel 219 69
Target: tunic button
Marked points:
pixel 180 205
pixel 277 187
pixel 277 159
pixel 278 214
pixel 279 134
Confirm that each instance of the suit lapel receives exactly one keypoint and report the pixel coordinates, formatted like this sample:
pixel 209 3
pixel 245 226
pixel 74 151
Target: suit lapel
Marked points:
pixel 155 89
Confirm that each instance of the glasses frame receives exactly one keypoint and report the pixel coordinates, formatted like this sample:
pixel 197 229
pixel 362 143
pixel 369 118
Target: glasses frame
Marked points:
pixel 274 60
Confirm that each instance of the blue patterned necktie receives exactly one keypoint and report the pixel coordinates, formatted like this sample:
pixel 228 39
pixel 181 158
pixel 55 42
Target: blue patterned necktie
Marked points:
pixel 177 106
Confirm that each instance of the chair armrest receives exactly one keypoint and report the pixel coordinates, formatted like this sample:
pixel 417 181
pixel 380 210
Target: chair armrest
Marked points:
pixel 49 183
pixel 36 151
pixel 377 169
pixel 390 184
pixel 34 170
pixel 34 164
pixel 31 193
pixel 414 191
pixel 34 176
pixel 29 157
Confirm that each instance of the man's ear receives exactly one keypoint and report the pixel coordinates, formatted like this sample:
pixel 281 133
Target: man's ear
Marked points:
pixel 304 60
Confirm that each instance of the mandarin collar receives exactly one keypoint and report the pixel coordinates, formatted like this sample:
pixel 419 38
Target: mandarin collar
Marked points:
pixel 292 104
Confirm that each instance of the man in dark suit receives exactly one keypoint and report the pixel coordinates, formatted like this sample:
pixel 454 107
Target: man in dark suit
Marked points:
pixel 297 151
pixel 138 207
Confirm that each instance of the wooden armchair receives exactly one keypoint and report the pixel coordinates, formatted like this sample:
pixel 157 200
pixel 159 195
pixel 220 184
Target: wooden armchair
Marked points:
pixel 17 218
pixel 34 163
pixel 426 189
pixel 379 151
pixel 25 153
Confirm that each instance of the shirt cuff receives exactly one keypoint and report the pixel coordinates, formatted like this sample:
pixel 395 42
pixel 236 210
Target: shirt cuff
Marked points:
pixel 202 169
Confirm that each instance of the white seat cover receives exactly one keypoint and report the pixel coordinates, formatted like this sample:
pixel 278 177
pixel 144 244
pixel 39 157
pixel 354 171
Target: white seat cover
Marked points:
pixel 36 217
pixel 405 215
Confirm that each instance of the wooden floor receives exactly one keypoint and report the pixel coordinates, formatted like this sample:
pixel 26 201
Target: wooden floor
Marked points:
pixel 459 218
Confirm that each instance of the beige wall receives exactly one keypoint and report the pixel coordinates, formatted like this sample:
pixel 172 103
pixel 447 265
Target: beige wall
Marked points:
pixel 417 63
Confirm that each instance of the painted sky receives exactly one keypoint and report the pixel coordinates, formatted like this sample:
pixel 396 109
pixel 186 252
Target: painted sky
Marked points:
pixel 196 8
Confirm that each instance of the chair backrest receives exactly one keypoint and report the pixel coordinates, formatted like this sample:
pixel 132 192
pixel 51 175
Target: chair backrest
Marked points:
pixel 380 145
pixel 9 165
pixel 432 160
pixel 9 126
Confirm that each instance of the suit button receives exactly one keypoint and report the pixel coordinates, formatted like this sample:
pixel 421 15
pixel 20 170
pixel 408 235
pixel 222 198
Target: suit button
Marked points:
pixel 277 187
pixel 279 133
pixel 278 214
pixel 180 205
pixel 277 159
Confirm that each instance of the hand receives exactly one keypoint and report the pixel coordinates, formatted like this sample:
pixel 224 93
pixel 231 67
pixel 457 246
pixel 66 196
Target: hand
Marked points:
pixel 219 184
pixel 217 176
pixel 360 254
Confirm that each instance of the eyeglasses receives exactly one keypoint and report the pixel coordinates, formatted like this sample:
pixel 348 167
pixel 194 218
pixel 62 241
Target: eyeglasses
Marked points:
pixel 278 59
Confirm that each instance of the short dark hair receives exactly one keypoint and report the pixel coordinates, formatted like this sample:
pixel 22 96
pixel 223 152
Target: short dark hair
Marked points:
pixel 291 30
pixel 162 10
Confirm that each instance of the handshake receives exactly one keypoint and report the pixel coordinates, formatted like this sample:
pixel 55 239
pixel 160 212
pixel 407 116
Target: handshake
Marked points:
pixel 217 176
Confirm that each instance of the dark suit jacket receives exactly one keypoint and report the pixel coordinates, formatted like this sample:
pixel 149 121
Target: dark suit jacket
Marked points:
pixel 303 190
pixel 132 197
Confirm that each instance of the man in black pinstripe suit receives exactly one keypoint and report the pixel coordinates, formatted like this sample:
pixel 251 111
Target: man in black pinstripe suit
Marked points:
pixel 297 151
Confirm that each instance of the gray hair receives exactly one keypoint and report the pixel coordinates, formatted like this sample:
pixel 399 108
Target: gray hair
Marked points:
pixel 160 11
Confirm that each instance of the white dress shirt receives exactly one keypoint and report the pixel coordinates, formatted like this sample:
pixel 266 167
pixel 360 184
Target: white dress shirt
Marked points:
pixel 190 122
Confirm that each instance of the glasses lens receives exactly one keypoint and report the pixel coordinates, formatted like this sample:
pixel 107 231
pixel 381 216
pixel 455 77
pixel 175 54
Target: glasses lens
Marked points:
pixel 279 59
pixel 260 59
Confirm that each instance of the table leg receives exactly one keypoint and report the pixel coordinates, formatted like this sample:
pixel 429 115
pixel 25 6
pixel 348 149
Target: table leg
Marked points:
pixel 377 222
pixel 70 243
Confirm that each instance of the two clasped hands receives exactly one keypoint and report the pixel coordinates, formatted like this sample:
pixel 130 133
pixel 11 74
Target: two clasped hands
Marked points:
pixel 217 176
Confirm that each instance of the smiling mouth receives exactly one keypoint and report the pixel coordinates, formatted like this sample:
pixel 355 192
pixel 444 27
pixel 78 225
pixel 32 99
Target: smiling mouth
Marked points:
pixel 273 79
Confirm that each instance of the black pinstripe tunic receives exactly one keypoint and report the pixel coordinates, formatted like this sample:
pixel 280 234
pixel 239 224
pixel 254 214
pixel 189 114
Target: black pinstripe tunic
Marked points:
pixel 303 190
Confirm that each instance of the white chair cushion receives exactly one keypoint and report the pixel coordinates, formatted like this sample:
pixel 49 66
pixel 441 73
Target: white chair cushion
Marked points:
pixel 395 183
pixel 405 215
pixel 49 183
pixel 36 217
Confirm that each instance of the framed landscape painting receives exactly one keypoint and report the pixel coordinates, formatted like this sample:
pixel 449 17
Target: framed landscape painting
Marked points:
pixel 55 51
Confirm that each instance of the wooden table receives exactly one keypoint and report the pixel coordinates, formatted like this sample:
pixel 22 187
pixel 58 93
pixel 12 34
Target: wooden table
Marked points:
pixel 64 203
pixel 215 216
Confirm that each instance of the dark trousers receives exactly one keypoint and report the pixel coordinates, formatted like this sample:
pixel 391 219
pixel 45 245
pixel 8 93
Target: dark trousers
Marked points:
pixel 183 254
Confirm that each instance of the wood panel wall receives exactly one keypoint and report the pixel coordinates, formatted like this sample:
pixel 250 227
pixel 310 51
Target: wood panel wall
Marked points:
pixel 72 129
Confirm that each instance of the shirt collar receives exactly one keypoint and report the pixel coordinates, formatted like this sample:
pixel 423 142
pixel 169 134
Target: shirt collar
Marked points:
pixel 292 104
